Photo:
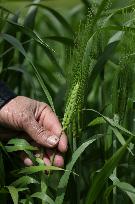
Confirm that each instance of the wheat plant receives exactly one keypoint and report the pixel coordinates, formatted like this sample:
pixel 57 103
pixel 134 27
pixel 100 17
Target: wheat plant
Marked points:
pixel 86 74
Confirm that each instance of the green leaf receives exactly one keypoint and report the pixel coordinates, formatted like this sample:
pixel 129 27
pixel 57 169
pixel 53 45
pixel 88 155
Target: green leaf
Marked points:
pixel 22 189
pixel 101 8
pixel 120 138
pixel 97 121
pixel 24 181
pixel 57 15
pixel 6 153
pixel 19 144
pixel 14 193
pixel 13 41
pixel 107 193
pixel 35 169
pixel 7 46
pixel 43 197
pixel 126 187
pixel 20 148
pixel 19 46
pixel 112 123
pixel 126 9
pixel 119 28
pixel 86 57
pixel 63 40
pixel 64 179
pixel 50 52
pixel 29 22
pixel 107 169
pixel 31 15
pixel 104 57
pixel 17 141
pixel 29 200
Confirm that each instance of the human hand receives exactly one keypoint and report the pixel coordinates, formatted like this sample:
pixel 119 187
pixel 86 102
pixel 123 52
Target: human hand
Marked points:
pixel 39 121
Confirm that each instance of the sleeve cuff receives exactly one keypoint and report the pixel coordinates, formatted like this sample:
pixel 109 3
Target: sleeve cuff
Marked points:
pixel 5 94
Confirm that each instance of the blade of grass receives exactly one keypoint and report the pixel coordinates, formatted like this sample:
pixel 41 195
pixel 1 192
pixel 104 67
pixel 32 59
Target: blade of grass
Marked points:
pixel 50 52
pixel 125 187
pixel 112 123
pixel 58 16
pixel 35 169
pixel 29 22
pixel 24 181
pixel 64 179
pixel 19 46
pixel 107 169
pixel 43 197
pixel 14 194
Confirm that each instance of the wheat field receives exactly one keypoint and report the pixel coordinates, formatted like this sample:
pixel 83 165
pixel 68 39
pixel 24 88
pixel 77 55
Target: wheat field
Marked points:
pixel 80 60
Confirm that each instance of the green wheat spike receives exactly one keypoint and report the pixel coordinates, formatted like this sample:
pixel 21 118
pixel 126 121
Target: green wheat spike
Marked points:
pixel 71 106
pixel 82 61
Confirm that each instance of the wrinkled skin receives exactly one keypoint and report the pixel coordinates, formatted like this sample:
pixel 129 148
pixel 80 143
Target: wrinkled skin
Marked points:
pixel 41 127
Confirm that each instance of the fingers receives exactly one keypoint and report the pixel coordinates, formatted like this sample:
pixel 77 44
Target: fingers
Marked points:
pixel 47 131
pixel 47 158
pixel 40 135
pixel 26 160
pixel 57 160
pixel 62 145
pixel 51 123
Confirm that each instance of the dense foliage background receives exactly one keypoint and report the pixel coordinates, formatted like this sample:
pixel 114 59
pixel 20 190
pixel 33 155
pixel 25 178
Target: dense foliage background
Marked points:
pixel 78 56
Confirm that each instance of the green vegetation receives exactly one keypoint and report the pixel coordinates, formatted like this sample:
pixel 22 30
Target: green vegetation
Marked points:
pixel 81 62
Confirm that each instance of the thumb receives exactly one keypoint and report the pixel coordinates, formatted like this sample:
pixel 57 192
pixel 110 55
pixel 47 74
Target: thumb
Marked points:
pixel 40 135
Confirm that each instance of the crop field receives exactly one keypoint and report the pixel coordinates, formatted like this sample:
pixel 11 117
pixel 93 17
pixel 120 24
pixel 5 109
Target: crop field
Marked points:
pixel 79 58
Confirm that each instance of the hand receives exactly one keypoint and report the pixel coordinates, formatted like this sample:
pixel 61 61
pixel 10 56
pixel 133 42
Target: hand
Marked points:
pixel 39 121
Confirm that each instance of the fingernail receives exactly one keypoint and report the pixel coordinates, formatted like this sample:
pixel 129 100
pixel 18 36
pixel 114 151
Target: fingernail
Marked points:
pixel 52 140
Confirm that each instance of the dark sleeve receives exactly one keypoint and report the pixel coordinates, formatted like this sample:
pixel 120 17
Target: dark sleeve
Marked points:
pixel 5 94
